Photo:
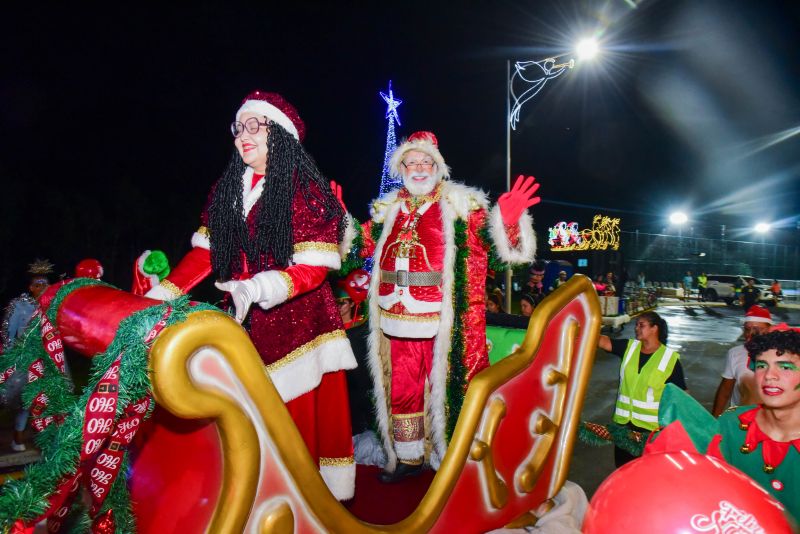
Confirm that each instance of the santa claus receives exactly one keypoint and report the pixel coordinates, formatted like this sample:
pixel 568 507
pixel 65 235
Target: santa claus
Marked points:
pixel 432 242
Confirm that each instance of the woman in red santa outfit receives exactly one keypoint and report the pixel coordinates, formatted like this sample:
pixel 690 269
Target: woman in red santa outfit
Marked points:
pixel 270 233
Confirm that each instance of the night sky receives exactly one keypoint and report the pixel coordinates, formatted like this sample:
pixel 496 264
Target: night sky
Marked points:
pixel 116 121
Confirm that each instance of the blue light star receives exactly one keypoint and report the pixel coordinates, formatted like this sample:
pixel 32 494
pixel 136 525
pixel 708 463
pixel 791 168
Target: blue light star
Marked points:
pixel 392 103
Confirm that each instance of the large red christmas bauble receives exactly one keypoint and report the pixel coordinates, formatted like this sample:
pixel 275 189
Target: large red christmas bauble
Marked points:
pixel 682 492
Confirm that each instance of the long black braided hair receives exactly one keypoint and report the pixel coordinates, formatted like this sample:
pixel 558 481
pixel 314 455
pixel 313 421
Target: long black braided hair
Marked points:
pixel 289 166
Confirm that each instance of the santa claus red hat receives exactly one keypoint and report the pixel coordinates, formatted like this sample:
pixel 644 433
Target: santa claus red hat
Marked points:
pixel 424 142
pixel 275 108
pixel 757 314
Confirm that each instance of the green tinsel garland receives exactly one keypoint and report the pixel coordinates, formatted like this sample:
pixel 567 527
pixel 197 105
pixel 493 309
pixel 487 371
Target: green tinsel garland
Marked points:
pixel 457 375
pixel 620 435
pixel 61 444
pixel 353 260
pixel 495 263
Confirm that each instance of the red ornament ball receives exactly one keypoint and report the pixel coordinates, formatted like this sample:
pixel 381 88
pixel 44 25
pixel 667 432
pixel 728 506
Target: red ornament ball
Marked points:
pixel 680 492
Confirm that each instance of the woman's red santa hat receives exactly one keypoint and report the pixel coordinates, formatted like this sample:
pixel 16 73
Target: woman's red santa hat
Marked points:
pixel 275 108
pixel 424 142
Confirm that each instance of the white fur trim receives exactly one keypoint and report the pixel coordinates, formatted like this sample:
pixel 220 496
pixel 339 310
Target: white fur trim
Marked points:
pixel 304 373
pixel 525 251
pixel 317 258
pixel 422 145
pixel 367 449
pixel 340 479
pixel 349 237
pixel 271 289
pixel 250 196
pixel 201 241
pixel 153 278
pixel 413 329
pixel 410 450
pixel 271 112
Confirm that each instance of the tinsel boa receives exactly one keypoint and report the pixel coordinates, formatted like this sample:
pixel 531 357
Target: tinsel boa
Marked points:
pixel 26 500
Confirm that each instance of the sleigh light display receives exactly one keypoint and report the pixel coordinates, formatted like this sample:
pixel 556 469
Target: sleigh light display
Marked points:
pixel 221 453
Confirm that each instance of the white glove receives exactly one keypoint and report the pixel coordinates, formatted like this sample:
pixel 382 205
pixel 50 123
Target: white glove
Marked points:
pixel 159 292
pixel 267 289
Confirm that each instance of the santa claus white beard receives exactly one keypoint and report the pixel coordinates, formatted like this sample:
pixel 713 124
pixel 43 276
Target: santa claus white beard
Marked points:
pixel 420 187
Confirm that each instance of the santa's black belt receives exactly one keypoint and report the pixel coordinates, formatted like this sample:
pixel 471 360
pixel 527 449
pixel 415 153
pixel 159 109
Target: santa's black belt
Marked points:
pixel 405 278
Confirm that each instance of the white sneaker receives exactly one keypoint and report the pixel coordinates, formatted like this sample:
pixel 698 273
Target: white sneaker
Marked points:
pixel 18 447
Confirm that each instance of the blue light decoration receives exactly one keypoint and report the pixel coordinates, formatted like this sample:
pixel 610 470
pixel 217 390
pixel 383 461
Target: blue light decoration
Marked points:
pixel 387 182
pixel 532 81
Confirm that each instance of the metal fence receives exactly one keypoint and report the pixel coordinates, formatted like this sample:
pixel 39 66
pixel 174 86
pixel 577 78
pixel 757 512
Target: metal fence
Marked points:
pixel 667 258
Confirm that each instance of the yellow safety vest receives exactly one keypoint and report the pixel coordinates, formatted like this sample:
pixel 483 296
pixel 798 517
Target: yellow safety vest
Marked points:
pixel 702 281
pixel 640 392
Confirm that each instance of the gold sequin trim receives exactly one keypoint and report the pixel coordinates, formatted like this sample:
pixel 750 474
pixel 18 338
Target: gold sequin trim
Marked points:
pixel 289 283
pixel 316 246
pixel 411 318
pixel 304 349
pixel 336 462
pixel 203 231
pixel 407 415
pixel 172 288
pixel 408 429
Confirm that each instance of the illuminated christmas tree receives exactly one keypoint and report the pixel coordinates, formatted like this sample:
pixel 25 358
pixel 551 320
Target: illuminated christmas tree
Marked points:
pixel 387 182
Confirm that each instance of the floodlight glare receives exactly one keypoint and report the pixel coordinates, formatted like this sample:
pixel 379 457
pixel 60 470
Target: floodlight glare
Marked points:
pixel 586 49
pixel 762 227
pixel 678 217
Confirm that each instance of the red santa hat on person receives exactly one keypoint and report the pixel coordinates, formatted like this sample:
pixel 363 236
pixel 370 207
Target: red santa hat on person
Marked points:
pixel 424 142
pixel 275 108
pixel 757 314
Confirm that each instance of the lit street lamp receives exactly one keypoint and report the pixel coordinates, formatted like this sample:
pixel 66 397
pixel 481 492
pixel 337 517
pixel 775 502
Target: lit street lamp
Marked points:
pixel 532 76
pixel 762 227
pixel 678 218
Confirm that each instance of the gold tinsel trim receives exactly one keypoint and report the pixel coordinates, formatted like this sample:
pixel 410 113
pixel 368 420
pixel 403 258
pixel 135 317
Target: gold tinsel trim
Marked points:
pixel 304 349
pixel 337 462
pixel 316 246
pixel 289 283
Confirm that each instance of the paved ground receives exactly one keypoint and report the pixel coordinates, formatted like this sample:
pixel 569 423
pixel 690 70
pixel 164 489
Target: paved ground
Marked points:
pixel 702 334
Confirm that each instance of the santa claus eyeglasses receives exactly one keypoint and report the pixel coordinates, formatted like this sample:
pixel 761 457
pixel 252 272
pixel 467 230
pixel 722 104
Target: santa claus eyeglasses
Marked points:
pixel 428 165
pixel 251 125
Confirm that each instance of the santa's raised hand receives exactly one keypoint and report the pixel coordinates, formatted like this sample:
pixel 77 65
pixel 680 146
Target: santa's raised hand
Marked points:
pixel 520 198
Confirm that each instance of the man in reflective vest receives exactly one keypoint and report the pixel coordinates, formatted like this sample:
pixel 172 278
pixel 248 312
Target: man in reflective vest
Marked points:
pixel 702 284
pixel 647 365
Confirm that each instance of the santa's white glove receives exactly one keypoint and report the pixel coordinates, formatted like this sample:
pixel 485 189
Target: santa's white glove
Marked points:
pixel 159 292
pixel 267 289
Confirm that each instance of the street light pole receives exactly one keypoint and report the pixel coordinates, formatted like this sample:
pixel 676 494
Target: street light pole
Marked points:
pixel 509 272
pixel 532 75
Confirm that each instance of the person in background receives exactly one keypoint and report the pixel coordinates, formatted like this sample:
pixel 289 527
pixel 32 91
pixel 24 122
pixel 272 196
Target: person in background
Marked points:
pixel 688 280
pixel 702 283
pixel 777 292
pixel 750 294
pixel 16 318
pixel 611 288
pixel 599 285
pixel 536 287
pixel 494 303
pixel 737 386
pixel 527 304
pixel 647 365
pixel 562 278
pixel 641 280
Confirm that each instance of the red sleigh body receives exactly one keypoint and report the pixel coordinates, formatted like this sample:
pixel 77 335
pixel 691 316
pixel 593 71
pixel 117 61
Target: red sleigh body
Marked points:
pixel 221 453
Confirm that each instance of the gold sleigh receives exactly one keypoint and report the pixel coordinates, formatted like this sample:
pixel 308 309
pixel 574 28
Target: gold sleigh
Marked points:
pixel 507 459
